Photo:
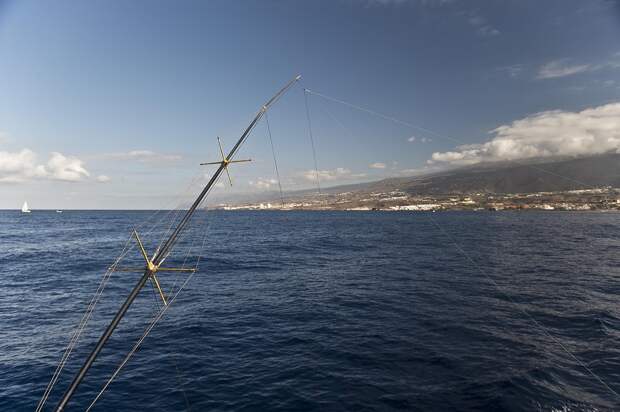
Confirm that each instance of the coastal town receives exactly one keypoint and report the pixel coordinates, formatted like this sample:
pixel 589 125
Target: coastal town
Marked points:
pixel 605 198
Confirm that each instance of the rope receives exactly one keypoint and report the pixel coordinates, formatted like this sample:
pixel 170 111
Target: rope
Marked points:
pixel 438 135
pixel 316 167
pixel 147 331
pixel 275 161
pixel 179 274
pixel 463 252
pixel 526 313
pixel 167 205
pixel 169 243
pixel 81 326
pixel 137 345
pixel 156 305
pixel 177 211
pixel 157 318
pixel 197 207
pixel 96 297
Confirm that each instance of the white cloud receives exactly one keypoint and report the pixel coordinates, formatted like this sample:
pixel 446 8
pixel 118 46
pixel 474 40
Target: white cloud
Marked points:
pixel 411 139
pixel 560 68
pixel 70 169
pixel 339 173
pixel 552 133
pixel 419 171
pixel 144 156
pixel 263 183
pixel 377 165
pixel 22 166
pixel 103 179
pixel 425 140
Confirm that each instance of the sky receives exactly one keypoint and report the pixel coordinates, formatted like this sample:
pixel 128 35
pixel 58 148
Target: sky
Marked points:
pixel 114 104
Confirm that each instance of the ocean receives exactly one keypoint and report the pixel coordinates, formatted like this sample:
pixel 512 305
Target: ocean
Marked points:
pixel 329 311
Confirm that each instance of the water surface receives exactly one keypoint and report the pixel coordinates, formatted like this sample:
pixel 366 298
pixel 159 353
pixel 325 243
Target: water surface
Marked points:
pixel 323 311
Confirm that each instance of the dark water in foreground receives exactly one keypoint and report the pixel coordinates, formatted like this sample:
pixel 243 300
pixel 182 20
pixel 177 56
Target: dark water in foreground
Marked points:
pixel 324 311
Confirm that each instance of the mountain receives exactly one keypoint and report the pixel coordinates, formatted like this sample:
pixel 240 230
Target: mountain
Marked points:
pixel 511 177
pixel 531 176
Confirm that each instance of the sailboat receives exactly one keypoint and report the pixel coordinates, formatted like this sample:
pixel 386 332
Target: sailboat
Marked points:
pixel 25 208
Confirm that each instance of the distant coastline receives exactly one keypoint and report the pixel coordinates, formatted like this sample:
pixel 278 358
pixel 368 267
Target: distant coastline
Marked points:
pixel 601 199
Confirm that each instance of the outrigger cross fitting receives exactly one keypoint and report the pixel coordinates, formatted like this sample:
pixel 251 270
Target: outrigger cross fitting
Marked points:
pixel 225 161
pixel 152 268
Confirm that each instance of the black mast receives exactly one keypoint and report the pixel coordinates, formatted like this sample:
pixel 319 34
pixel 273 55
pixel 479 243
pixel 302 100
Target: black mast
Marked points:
pixel 163 251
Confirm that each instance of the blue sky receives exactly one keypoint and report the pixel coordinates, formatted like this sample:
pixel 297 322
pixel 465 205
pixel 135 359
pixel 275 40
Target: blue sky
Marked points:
pixel 110 104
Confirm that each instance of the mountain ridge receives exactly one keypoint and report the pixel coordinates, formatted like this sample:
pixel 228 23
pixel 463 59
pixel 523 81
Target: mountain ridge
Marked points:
pixel 523 176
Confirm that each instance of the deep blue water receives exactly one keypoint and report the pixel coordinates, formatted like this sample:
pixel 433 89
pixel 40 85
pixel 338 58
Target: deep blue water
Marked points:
pixel 323 311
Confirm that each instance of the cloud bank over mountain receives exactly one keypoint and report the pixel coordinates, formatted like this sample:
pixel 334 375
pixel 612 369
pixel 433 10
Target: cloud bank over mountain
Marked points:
pixel 591 131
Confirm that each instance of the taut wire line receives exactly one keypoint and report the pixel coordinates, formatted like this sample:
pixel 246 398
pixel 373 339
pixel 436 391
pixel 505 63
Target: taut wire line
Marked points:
pixel 316 167
pixel 463 252
pixel 275 161
pixel 545 331
pixel 429 131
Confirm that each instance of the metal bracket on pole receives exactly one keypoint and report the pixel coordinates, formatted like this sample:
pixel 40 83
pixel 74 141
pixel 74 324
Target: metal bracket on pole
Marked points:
pixel 225 161
pixel 151 268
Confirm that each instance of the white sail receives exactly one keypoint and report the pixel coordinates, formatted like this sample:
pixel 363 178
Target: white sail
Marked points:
pixel 25 208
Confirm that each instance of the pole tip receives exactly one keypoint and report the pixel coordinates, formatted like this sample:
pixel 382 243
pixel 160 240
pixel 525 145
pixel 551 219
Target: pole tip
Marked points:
pixel 298 77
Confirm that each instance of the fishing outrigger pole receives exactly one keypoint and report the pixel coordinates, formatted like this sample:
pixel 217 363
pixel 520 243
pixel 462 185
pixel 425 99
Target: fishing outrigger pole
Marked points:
pixel 153 265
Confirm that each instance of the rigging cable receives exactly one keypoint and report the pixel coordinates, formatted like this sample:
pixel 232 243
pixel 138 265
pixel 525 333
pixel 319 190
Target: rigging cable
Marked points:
pixel 429 131
pixel 155 303
pixel 156 319
pixel 148 329
pixel 275 161
pixel 464 253
pixel 81 326
pixel 526 313
pixel 176 212
pixel 316 167
pixel 97 295
pixel 165 250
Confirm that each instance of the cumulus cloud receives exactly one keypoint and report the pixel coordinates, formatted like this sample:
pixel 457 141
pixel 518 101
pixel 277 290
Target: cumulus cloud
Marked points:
pixel 339 173
pixel 262 183
pixel 377 165
pixel 23 166
pixel 591 131
pixel 70 169
pixel 418 171
pixel 144 156
pixel 103 179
